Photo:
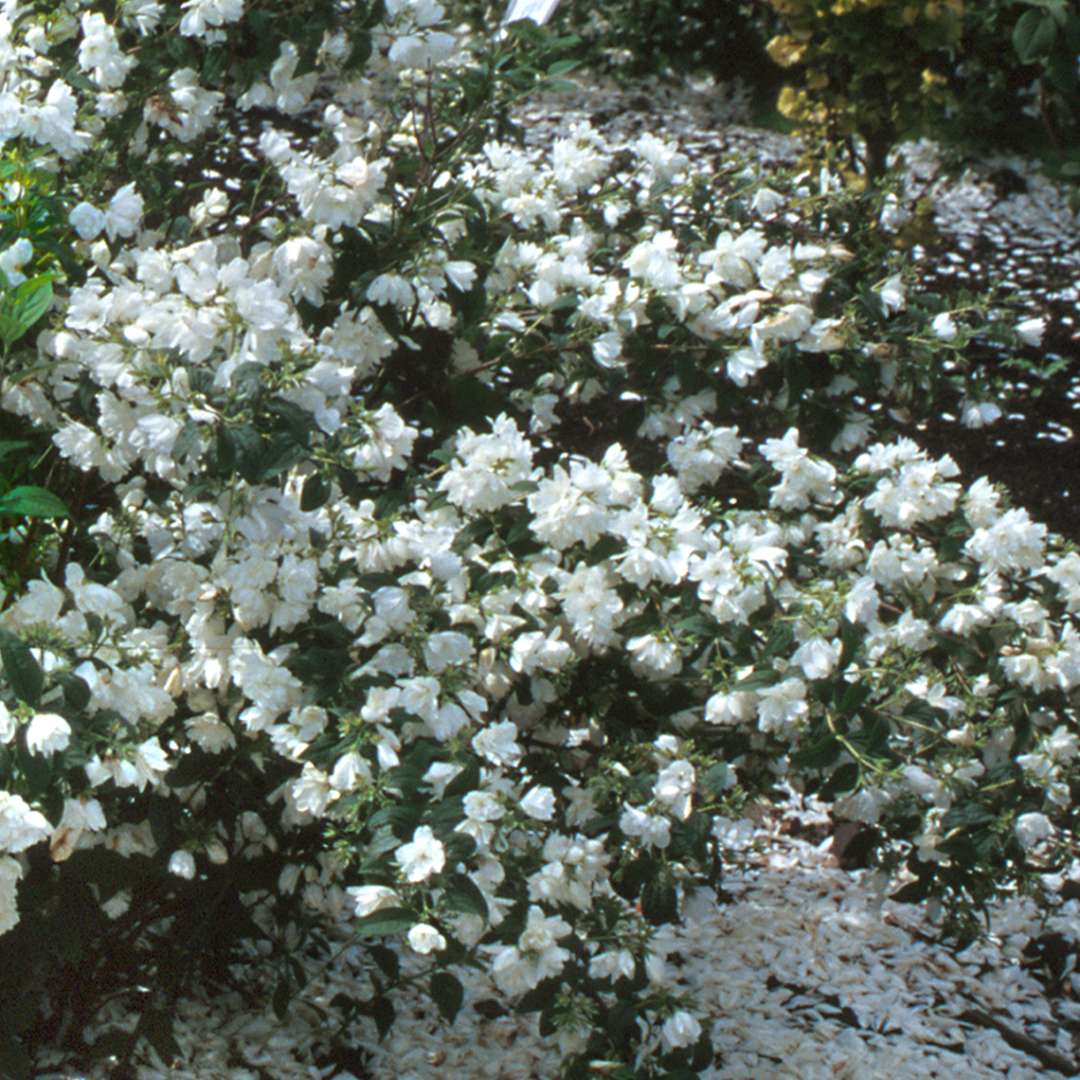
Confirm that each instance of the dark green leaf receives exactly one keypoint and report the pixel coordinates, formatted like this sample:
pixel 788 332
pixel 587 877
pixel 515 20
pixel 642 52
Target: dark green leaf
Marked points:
pixel 758 680
pixel 447 993
pixel 659 903
pixel 386 922
pixel 465 781
pixel 382 1011
pixel 621 1021
pixel 630 878
pixel 76 690
pixel 187 442
pixel 156 1027
pixel 192 767
pixel 11 447
pixel 463 895
pixel 24 674
pixel 1034 35
pixel 282 997
pixel 844 779
pixel 388 961
pixel 314 494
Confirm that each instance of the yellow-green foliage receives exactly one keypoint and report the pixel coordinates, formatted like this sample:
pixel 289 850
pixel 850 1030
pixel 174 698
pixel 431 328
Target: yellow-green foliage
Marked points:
pixel 866 67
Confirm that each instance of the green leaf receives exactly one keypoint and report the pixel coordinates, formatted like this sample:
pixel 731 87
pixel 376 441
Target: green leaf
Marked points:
pixel 314 494
pixel 563 67
pixel 659 902
pixel 24 674
pixel 279 455
pixel 463 895
pixel 193 766
pixel 622 1021
pixel 188 442
pixel 31 300
pixel 10 330
pixel 11 447
pixel 238 447
pixel 76 690
pixel 282 997
pixel 844 779
pixel 385 922
pixel 246 380
pixel 715 779
pixel 31 501
pixel 465 781
pixel 757 680
pixel 389 962
pixel 1034 35
pixel 630 878
pixel 447 993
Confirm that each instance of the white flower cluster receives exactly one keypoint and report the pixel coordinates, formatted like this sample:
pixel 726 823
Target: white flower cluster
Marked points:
pixel 483 551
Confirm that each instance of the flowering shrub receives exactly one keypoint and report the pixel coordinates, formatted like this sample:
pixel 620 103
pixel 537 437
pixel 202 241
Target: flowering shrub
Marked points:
pixel 477 536
pixel 985 74
pixel 632 38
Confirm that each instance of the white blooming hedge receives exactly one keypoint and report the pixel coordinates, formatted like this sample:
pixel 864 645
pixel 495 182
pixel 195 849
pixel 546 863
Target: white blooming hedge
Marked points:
pixel 468 538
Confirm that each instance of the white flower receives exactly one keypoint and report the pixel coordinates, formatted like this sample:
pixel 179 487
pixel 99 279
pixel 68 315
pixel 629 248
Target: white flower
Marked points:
pixel 182 864
pixel 87 220
pixel 674 788
pixel 369 898
pixel 679 1030
pixel 654 831
pixel 460 274
pixel 1031 331
pixel 391 289
pixel 979 414
pixel 201 15
pixel 425 939
pixel 8 725
pixel 654 657
pixel 613 964
pixel 943 326
pixel 47 733
pixel 10 872
pixel 12 260
pixel 517 969
pixel 782 707
pixel 20 826
pixel 483 806
pixel 311 792
pixel 123 213
pixel 498 743
pixel 447 648
pixel 539 11
pixel 423 856
pixel 1032 829
pixel 539 803
pixel 100 54
pixel 766 202
pixel 892 295
pixel 736 707
pixel 817 657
